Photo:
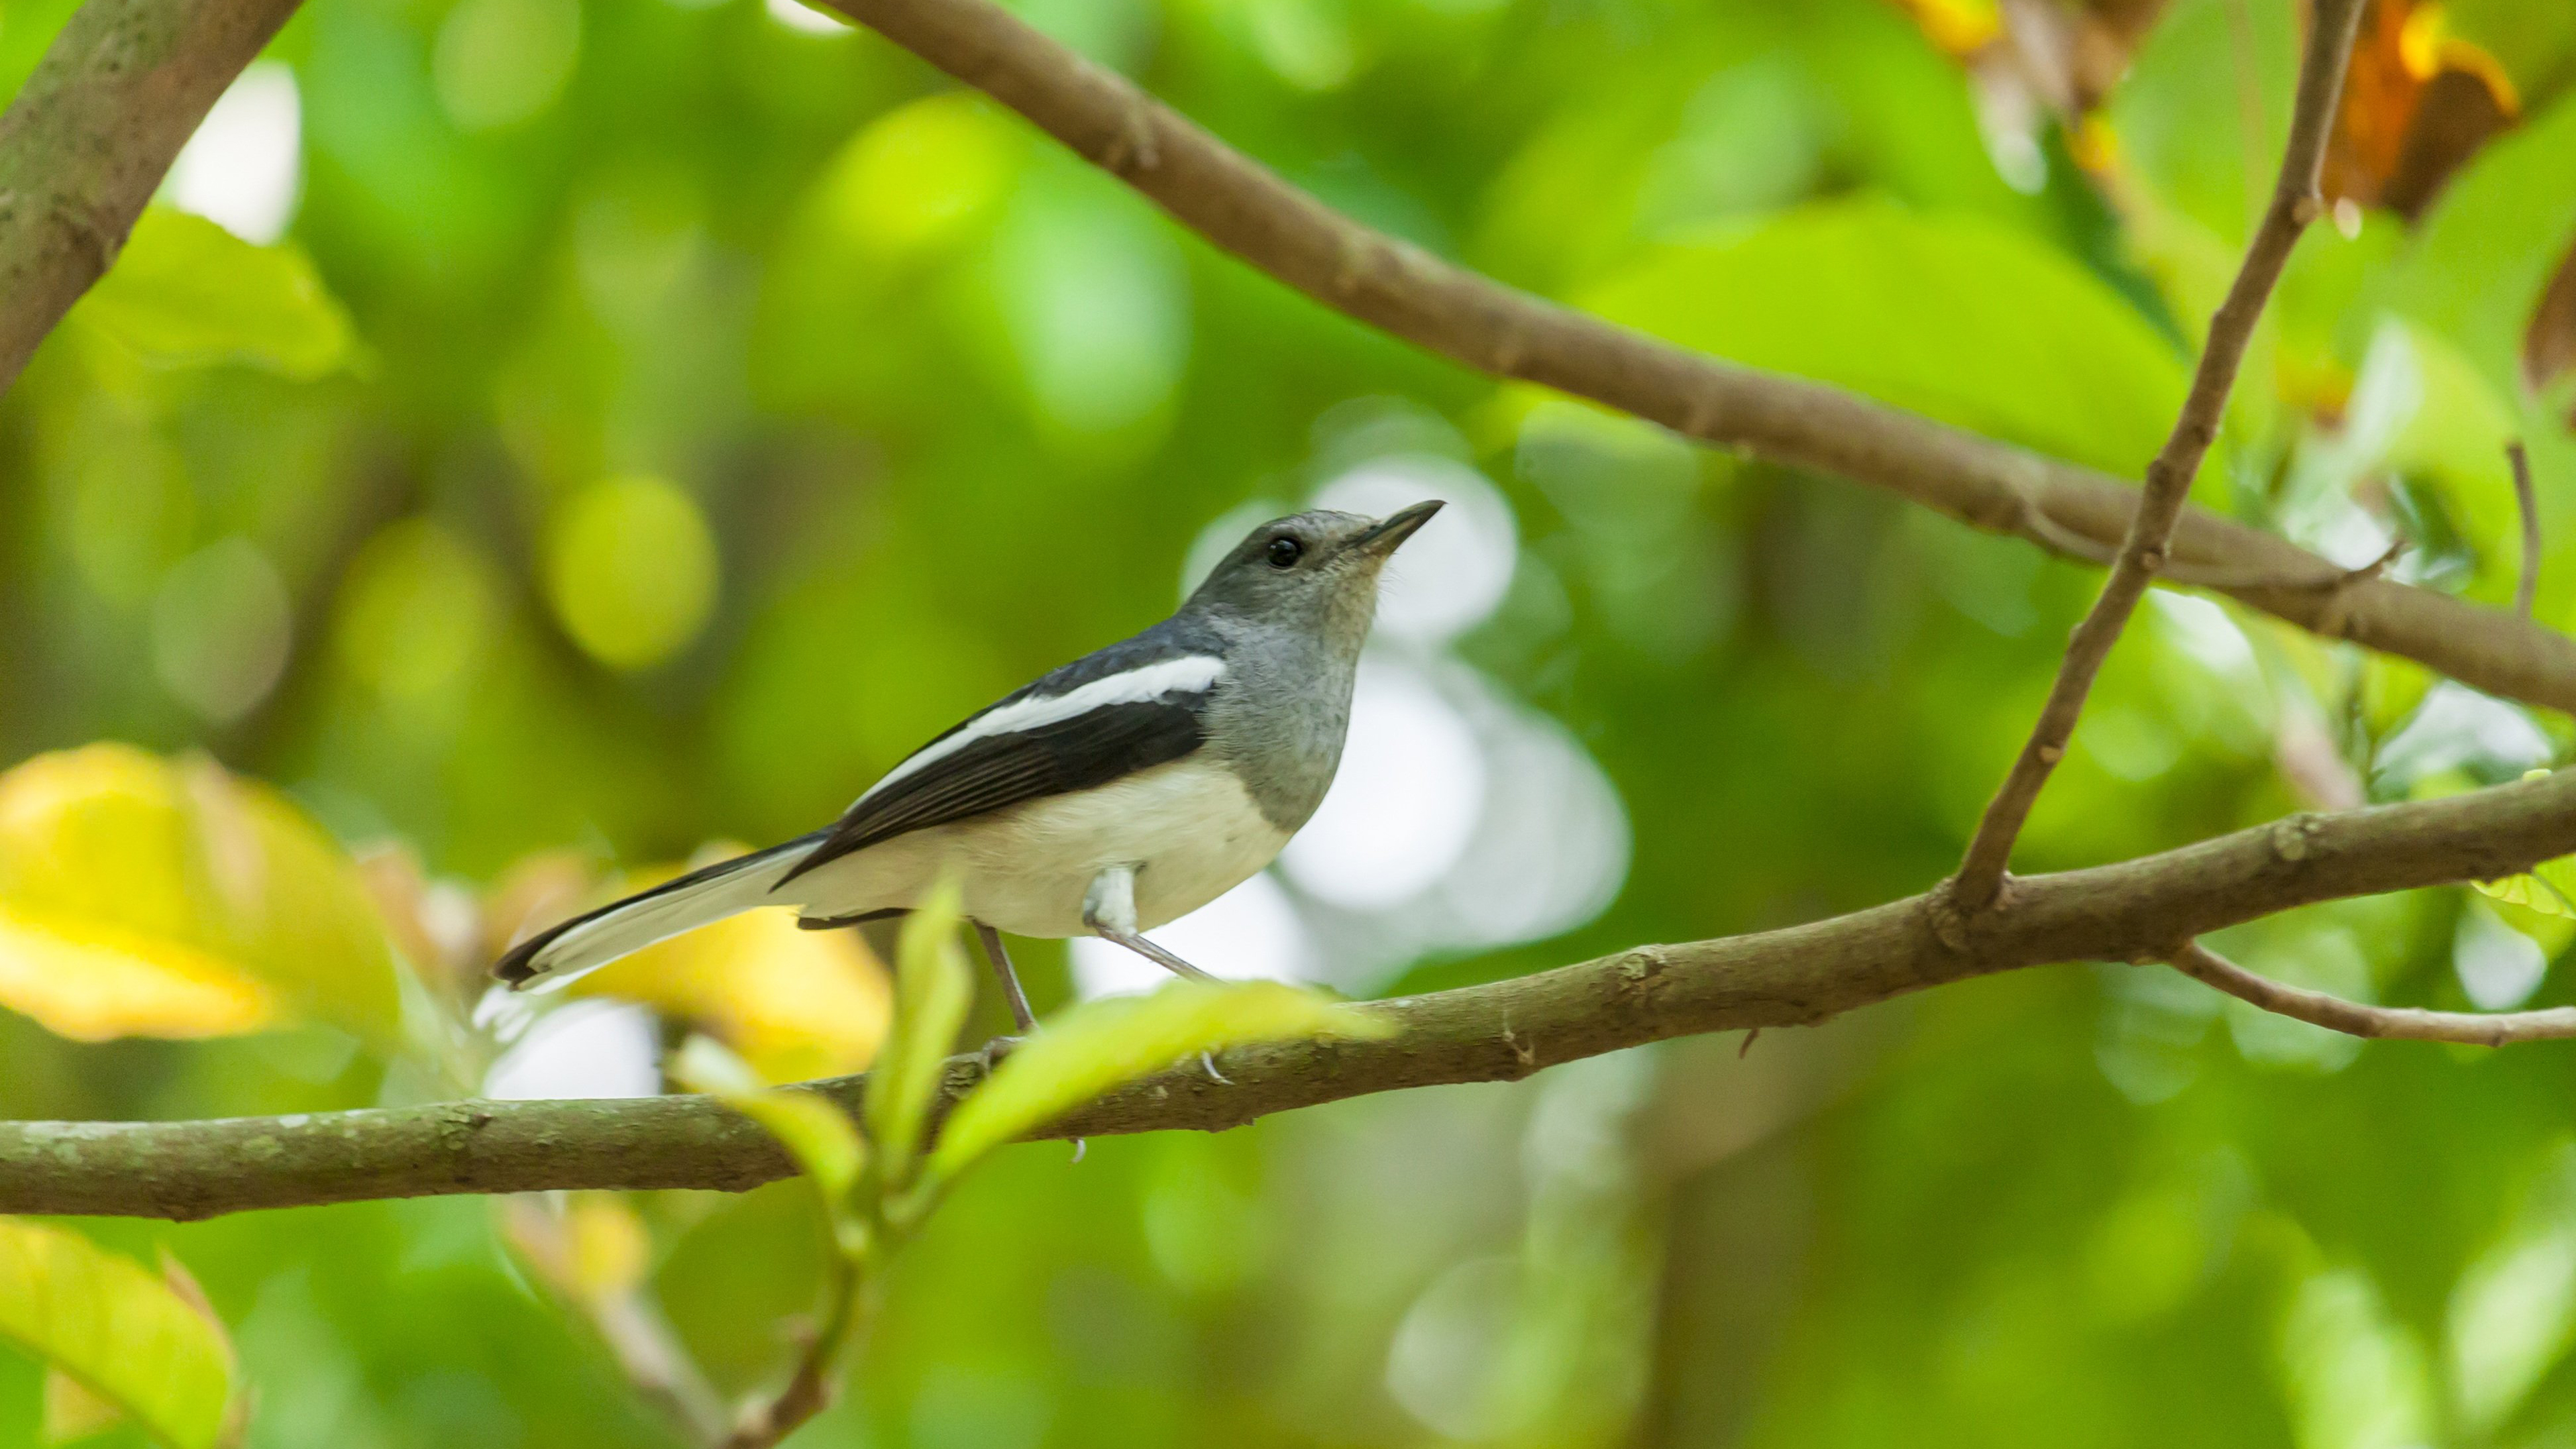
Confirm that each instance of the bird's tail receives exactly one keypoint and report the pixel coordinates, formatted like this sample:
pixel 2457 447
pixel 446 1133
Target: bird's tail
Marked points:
pixel 592 940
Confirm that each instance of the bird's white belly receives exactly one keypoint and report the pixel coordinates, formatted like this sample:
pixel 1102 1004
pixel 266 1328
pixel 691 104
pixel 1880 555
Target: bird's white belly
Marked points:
pixel 1189 827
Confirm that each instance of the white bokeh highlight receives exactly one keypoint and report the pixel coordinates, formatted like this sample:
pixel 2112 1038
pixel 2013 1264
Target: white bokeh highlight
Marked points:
pixel 592 1047
pixel 1450 576
pixel 2499 967
pixel 1550 846
pixel 243 169
pixel 2457 726
pixel 1252 932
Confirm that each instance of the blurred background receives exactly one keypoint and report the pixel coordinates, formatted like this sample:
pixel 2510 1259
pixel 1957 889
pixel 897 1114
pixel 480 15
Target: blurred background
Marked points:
pixel 538 442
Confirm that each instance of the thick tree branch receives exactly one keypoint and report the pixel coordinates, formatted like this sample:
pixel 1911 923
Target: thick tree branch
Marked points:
pixel 2141 910
pixel 1242 207
pixel 86 143
pixel 2295 203
pixel 2557 1023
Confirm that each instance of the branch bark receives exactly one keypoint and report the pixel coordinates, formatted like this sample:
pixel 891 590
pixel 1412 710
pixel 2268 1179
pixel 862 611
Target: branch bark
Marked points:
pixel 2295 203
pixel 2142 910
pixel 2495 1029
pixel 1245 209
pixel 86 143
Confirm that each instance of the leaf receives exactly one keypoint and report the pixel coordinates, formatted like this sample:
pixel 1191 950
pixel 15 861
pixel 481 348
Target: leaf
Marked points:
pixel 2549 887
pixel 144 898
pixel 1101 1044
pixel 932 989
pixel 2417 103
pixel 1954 316
pixel 796 1004
pixel 2549 344
pixel 814 1132
pixel 185 290
pixel 2490 242
pixel 73 1412
pixel 127 1336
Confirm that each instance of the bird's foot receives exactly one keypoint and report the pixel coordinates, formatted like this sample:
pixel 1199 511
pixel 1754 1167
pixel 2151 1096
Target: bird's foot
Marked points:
pixel 990 1054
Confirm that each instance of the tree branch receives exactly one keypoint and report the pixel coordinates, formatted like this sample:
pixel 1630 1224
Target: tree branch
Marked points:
pixel 2141 910
pixel 2336 1014
pixel 2295 203
pixel 85 144
pixel 1245 209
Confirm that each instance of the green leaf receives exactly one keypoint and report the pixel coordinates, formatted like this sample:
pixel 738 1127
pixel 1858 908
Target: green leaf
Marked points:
pixel 817 1134
pixel 932 989
pixel 116 1328
pixel 185 290
pixel 1957 317
pixel 2549 887
pixel 1101 1044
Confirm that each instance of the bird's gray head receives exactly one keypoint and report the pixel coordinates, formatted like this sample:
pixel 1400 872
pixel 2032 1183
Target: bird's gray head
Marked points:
pixel 1315 570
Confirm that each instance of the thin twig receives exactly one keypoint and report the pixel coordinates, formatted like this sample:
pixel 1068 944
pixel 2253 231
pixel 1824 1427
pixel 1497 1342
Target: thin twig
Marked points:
pixel 2142 553
pixel 1243 208
pixel 848 1291
pixel 2526 498
pixel 2139 910
pixel 2401 1023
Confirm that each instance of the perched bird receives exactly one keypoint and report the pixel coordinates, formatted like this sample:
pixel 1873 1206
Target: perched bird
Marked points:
pixel 1122 791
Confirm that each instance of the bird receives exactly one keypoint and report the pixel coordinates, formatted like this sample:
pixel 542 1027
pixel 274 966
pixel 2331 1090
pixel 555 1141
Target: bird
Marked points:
pixel 1111 796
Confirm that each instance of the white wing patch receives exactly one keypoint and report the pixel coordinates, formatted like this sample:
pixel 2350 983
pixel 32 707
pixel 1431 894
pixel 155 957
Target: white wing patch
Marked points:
pixel 1190 674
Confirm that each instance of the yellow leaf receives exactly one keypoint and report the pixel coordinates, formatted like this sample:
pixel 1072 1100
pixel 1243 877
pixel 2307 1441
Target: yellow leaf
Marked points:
pixel 129 1337
pixel 91 982
pixel 794 1003
pixel 142 897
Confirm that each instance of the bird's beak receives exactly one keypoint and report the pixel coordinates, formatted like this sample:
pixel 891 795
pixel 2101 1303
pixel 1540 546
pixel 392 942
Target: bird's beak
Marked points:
pixel 1382 536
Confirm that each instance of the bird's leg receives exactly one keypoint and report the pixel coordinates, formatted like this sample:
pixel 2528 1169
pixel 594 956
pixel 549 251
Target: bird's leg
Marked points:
pixel 999 1046
pixel 1109 909
pixel 1011 992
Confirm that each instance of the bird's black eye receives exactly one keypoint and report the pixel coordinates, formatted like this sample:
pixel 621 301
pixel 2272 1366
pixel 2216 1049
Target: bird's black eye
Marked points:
pixel 1284 553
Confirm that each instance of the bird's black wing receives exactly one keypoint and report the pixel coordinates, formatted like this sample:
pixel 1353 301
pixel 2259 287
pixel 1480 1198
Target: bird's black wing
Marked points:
pixel 1149 692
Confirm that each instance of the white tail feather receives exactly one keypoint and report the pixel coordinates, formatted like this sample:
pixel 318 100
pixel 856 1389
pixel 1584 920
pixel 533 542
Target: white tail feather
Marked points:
pixel 546 962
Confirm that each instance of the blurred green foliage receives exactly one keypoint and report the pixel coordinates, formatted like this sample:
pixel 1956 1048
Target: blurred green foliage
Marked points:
pixel 658 418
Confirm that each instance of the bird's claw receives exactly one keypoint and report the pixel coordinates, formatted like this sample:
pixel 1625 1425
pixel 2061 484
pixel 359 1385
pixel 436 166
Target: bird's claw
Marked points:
pixel 991 1053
